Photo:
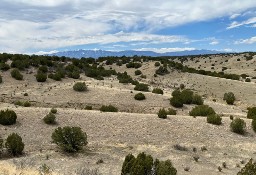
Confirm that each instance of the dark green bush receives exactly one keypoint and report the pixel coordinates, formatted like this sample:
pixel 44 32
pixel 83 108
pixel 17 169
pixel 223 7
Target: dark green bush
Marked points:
pixel 88 107
pixel 201 110
pixel 229 98
pixel 108 108
pixel 249 169
pixel 15 73
pixel 138 72
pixel 238 126
pixel 141 87
pixel 162 71
pixel 157 64
pixel 1 80
pixel 41 77
pixel 197 99
pixel 162 113
pixel 158 91
pixel 50 119
pixel 251 113
pixel 7 117
pixel 80 86
pixel 4 66
pixel 247 80
pixel 254 124
pixel 43 69
pixel 26 104
pixel 176 101
pixel 214 119
pixel 69 139
pixel 57 76
pixel 145 164
pixel 139 96
pixel 171 111
pixel 53 110
pixel 14 144
pixel 187 96
pixel 133 65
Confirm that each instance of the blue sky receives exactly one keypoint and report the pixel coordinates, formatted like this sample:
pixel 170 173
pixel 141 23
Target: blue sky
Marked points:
pixel 36 26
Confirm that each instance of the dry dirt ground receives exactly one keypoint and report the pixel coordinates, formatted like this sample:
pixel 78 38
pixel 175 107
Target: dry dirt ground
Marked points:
pixel 136 128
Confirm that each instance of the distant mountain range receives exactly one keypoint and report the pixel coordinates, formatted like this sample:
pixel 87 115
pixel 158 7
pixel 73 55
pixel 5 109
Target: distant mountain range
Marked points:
pixel 128 53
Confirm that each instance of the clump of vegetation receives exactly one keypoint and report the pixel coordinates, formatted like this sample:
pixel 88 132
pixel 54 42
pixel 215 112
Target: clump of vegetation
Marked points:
pixel 162 113
pixel 180 147
pixel 138 72
pixel 7 117
pixel 197 99
pixel 133 65
pixel 238 126
pixel 141 87
pixel 145 164
pixel 15 73
pixel 251 113
pixel 69 139
pixel 139 96
pixel 247 80
pixel 254 124
pixel 157 64
pixel 202 110
pixel 229 98
pixel 57 76
pixel 158 91
pixel 214 119
pixel 88 107
pixel 53 110
pixel 162 71
pixel 23 103
pixel 14 144
pixel 108 108
pixel 1 80
pixel 249 169
pixel 171 111
pixel 50 119
pixel 41 77
pixel 80 86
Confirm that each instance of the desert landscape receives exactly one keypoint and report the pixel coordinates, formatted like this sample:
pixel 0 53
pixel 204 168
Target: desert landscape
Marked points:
pixel 193 145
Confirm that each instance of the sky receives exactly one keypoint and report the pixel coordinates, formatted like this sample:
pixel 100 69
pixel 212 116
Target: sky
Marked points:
pixel 45 26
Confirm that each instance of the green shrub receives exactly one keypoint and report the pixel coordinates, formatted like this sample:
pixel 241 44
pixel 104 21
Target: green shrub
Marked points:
pixel 43 69
pixel 182 86
pixel 26 104
pixel 88 107
pixel 53 110
pixel 229 98
pixel 158 91
pixel 162 113
pixel 7 117
pixel 15 73
pixel 247 80
pixel 251 113
pixel 171 111
pixel 50 119
pixel 18 103
pixel 197 99
pixel 80 87
pixel 57 76
pixel 69 139
pixel 254 124
pixel 141 87
pixel 41 77
pixel 214 119
pixel 238 126
pixel 137 72
pixel 139 96
pixel 162 71
pixel 14 144
pixel 157 64
pixel 144 164
pixel 1 80
pixel 249 169
pixel 187 96
pixel 176 101
pixel 201 110
pixel 4 66
pixel 108 108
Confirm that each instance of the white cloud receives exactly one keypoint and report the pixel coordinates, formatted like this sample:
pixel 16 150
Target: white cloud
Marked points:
pixel 50 24
pixel 214 42
pixel 164 50
pixel 234 16
pixel 251 40
pixel 236 24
